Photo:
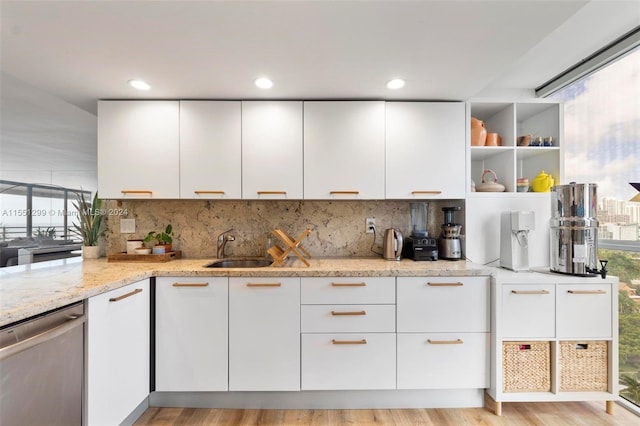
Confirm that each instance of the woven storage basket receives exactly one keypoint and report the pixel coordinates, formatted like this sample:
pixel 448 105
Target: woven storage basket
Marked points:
pixel 526 367
pixel 583 366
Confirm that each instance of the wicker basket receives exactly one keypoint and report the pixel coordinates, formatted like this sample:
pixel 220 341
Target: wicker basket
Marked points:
pixel 583 366
pixel 526 367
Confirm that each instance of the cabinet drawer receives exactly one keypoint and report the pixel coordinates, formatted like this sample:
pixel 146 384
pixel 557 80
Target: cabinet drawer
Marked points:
pixel 443 361
pixel 348 318
pixel 348 361
pixel 528 311
pixel 348 290
pixel 584 310
pixel 443 304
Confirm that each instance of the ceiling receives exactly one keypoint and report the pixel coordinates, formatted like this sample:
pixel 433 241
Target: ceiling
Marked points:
pixel 59 57
pixel 81 51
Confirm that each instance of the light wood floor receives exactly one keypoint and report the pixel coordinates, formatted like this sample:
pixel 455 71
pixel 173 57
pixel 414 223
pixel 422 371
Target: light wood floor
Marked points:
pixel 513 414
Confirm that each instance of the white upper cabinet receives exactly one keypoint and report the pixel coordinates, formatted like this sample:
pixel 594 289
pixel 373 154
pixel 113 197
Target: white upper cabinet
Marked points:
pixel 210 149
pixel 272 149
pixel 344 149
pixel 138 149
pixel 425 150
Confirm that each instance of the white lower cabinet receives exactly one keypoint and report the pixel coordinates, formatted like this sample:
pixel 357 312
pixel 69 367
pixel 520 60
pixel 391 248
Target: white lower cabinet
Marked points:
pixel 191 334
pixel 528 311
pixel 443 360
pixel 443 332
pixel 264 334
pixel 348 361
pixel 117 353
pixel 585 310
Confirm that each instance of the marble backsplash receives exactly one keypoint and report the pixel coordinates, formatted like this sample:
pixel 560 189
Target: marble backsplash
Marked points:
pixel 337 226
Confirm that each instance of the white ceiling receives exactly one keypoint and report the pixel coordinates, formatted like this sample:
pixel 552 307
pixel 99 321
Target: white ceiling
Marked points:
pixel 81 51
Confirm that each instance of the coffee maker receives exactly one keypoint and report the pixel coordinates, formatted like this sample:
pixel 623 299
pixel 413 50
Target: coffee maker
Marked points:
pixel 514 239
pixel 419 246
pixel 449 246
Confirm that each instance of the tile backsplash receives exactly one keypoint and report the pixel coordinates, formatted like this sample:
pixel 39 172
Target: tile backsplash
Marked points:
pixel 337 227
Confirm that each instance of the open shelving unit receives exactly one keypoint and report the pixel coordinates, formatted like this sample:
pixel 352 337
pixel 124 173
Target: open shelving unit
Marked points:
pixel 539 118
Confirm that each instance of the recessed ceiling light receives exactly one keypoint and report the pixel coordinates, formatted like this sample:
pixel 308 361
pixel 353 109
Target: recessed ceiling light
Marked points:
pixel 396 83
pixel 139 84
pixel 263 83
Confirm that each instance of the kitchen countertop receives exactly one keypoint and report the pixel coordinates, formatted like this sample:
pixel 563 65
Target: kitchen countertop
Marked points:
pixel 29 290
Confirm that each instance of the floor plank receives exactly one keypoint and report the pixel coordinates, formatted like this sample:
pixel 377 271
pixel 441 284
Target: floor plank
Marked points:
pixel 513 414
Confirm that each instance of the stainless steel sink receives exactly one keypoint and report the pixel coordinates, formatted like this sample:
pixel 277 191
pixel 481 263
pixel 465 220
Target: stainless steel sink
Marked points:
pixel 240 263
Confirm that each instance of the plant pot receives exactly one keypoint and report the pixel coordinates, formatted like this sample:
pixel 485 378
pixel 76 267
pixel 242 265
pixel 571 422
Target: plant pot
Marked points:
pixel 167 247
pixel 90 252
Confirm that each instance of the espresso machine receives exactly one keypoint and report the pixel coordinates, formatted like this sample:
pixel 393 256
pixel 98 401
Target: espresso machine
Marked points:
pixel 514 239
pixel 418 245
pixel 449 246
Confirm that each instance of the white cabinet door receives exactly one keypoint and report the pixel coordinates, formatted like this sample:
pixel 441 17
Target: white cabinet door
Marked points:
pixel 344 150
pixel 528 311
pixel 210 149
pixel 191 334
pixel 443 361
pixel 138 149
pixel 348 290
pixel 117 353
pixel 425 150
pixel 272 149
pixel 264 334
pixel 348 361
pixel 443 304
pixel 348 318
pixel 584 310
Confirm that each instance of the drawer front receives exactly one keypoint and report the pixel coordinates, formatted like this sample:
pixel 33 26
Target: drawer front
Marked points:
pixel 443 361
pixel 348 318
pixel 443 304
pixel 348 361
pixel 584 310
pixel 348 290
pixel 528 311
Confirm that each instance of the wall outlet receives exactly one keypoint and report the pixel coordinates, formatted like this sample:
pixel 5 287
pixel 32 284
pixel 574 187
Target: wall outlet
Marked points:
pixel 370 225
pixel 127 226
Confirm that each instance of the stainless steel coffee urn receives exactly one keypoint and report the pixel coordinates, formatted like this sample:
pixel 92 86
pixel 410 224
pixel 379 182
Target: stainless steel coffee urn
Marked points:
pixel 574 229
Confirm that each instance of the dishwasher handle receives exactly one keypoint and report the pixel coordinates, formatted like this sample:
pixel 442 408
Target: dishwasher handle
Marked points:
pixel 43 337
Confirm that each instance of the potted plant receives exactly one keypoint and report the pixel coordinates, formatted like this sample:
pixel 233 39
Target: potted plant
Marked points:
pixel 162 238
pixel 90 226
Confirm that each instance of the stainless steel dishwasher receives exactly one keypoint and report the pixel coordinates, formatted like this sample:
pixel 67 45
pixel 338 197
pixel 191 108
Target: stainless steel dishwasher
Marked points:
pixel 42 369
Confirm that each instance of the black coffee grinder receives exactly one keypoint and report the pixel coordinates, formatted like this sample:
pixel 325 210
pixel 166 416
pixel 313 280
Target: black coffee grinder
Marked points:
pixel 449 247
pixel 419 246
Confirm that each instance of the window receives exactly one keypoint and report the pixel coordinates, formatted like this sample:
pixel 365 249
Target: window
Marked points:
pixel 602 146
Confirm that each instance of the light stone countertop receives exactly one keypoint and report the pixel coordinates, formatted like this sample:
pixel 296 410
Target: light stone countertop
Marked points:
pixel 29 290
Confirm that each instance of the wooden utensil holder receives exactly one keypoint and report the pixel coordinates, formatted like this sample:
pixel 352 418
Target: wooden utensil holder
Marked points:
pixel 280 255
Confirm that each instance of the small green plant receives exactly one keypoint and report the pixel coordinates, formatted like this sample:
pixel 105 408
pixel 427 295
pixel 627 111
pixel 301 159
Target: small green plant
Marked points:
pixel 163 237
pixel 91 219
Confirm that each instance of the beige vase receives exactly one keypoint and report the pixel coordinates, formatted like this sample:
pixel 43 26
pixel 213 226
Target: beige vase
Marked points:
pixel 90 252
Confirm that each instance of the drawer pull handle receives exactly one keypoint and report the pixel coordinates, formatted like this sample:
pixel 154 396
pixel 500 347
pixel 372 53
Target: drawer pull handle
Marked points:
pixel 426 192
pixel 209 192
pixel 445 342
pixel 457 284
pixel 530 291
pixel 586 292
pixel 349 284
pixel 349 342
pixel 136 191
pixel 124 296
pixel 264 284
pixel 344 192
pixel 190 284
pixel 336 313
pixel 272 192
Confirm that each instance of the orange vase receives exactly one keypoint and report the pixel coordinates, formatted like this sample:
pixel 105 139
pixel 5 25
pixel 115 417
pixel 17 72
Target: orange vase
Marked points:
pixel 478 132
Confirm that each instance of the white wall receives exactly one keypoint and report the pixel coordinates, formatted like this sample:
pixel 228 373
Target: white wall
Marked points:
pixel 44 139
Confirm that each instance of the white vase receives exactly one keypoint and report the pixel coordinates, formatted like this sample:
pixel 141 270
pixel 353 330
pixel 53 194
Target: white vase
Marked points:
pixel 90 252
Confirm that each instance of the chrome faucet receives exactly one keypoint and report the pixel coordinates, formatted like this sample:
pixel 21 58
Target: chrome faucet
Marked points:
pixel 223 238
